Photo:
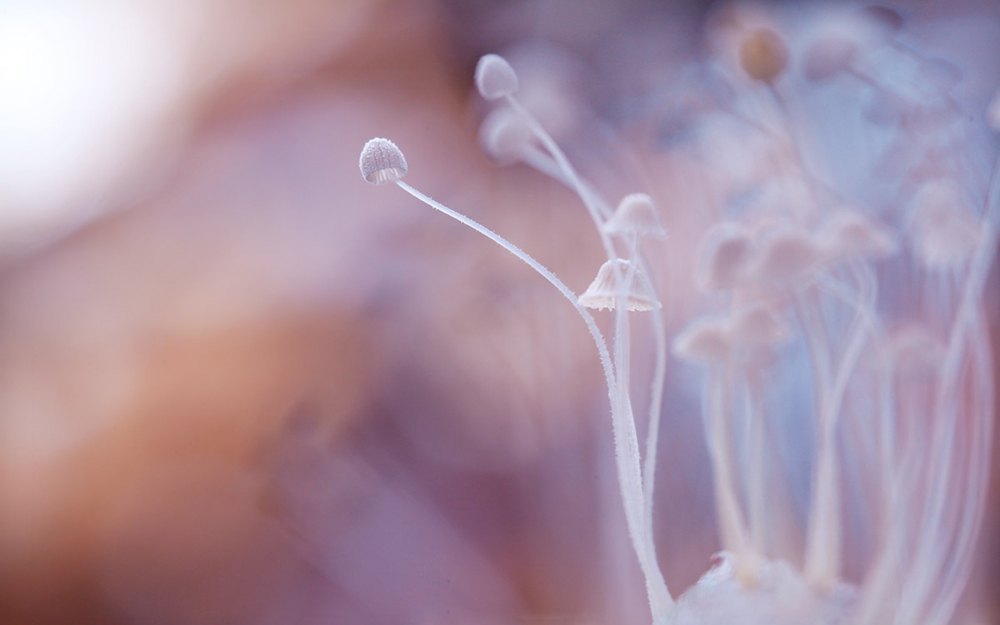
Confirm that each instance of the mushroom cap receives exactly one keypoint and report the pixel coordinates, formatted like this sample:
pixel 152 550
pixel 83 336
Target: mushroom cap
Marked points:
pixel 495 78
pixel 763 55
pixel 603 291
pixel 636 214
pixel 381 161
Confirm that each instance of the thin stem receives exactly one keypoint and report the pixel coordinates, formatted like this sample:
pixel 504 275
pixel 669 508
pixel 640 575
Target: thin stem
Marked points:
pixel 569 172
pixel 543 163
pixel 732 532
pixel 756 475
pixel 595 332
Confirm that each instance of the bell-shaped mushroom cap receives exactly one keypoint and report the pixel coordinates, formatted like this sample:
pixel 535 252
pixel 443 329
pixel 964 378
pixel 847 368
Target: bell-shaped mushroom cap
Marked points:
pixel 495 78
pixel 944 232
pixel 381 161
pixel 504 134
pixel 707 340
pixel 786 257
pixel 756 324
pixel 603 292
pixel 636 214
pixel 726 253
pixel 763 55
pixel 850 234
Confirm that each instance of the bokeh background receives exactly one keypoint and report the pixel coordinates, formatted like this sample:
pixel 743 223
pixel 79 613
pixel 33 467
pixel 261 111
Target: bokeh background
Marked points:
pixel 240 385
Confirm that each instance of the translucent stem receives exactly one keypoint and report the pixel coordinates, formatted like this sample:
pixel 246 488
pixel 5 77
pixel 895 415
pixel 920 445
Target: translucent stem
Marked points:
pixel 756 475
pixel 595 332
pixel 732 532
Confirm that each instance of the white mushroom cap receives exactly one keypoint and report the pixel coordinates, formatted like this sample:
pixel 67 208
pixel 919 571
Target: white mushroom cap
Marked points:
pixel 603 292
pixel 381 161
pixel 636 214
pixel 495 78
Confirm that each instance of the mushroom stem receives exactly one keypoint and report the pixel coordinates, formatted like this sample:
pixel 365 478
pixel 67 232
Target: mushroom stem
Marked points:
pixel 732 529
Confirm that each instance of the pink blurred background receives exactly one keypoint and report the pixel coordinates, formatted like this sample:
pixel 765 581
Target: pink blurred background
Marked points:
pixel 240 385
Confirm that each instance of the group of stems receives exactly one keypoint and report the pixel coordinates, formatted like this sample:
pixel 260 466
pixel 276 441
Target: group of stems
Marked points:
pixel 635 479
pixel 955 463
pixel 931 589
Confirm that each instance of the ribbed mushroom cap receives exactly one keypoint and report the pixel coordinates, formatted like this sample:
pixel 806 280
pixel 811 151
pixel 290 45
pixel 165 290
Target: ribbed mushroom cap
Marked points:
pixel 603 292
pixel 381 161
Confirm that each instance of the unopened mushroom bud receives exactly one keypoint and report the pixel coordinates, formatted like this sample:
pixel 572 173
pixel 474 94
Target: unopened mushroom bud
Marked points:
pixel 381 161
pixel 495 78
pixel 763 55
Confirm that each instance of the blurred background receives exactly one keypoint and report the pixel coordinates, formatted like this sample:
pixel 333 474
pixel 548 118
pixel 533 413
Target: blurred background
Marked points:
pixel 240 385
